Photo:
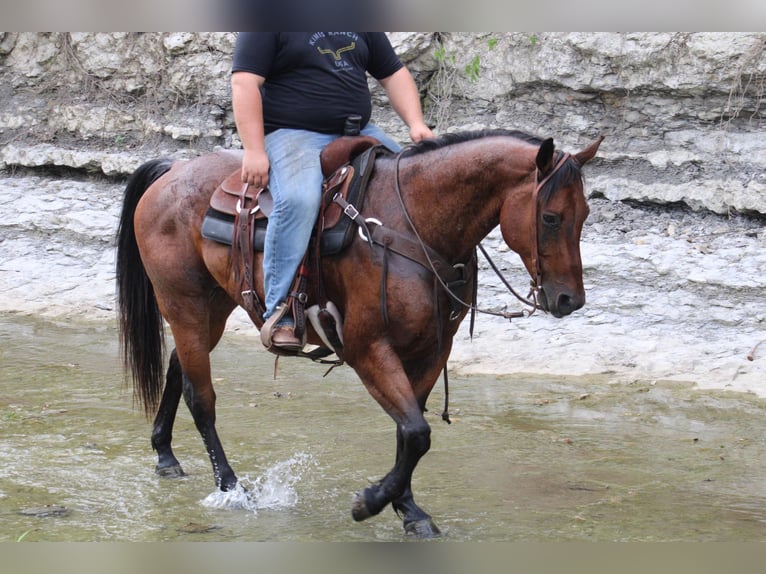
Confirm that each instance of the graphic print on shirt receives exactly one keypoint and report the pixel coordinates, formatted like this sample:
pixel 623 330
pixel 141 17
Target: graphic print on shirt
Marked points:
pixel 336 54
pixel 323 42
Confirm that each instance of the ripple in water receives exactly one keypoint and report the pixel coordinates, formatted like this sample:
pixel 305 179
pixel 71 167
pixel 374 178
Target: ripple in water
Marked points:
pixel 274 489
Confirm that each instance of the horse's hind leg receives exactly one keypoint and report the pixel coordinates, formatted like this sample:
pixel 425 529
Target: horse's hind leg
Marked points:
pixel 195 339
pixel 197 322
pixel 162 433
pixel 202 407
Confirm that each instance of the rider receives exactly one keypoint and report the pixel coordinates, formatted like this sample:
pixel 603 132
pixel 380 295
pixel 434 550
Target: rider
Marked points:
pixel 291 94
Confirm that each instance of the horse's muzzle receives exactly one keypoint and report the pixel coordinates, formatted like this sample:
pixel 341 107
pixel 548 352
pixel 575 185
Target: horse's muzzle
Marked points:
pixel 560 303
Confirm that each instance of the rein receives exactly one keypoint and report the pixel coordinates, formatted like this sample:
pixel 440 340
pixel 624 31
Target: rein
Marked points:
pixel 470 306
pixel 530 300
pixel 536 284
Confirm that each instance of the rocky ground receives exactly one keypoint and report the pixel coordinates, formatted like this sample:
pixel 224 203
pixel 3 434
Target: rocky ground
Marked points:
pixel 672 294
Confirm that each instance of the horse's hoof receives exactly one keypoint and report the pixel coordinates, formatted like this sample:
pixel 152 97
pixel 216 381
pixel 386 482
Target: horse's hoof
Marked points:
pixel 359 510
pixel 174 471
pixel 424 528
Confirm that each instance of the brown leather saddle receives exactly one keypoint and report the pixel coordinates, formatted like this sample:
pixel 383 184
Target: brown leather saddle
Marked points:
pixel 232 195
pixel 238 215
pixel 346 165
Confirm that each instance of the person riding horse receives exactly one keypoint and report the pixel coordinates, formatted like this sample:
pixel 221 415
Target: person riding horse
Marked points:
pixel 292 93
pixel 399 312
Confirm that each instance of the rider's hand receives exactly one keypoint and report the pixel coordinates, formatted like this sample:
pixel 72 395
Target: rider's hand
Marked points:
pixel 420 132
pixel 255 168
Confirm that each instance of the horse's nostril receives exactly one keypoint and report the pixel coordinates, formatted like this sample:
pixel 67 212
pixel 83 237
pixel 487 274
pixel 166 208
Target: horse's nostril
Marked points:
pixel 565 304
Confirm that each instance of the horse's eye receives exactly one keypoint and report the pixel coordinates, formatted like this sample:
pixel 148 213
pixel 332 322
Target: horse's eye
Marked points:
pixel 551 220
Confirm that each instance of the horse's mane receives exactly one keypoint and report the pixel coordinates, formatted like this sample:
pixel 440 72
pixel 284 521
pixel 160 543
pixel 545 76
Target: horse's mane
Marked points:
pixel 569 173
pixel 453 138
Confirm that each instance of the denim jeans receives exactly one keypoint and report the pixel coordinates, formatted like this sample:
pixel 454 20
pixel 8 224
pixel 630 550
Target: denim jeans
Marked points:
pixel 295 181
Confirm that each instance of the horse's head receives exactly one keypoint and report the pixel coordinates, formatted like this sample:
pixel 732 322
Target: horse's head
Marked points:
pixel 547 235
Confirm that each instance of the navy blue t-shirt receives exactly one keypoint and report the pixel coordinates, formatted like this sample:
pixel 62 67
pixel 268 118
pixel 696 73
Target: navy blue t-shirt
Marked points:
pixel 315 80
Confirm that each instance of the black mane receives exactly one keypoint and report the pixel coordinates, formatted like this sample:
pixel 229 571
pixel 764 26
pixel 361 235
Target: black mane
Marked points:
pixel 460 137
pixel 568 174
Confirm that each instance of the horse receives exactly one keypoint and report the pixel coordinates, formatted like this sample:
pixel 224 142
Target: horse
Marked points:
pixel 399 318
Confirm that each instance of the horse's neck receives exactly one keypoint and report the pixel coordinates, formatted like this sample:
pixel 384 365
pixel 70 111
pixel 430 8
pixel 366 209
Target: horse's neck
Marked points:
pixel 455 198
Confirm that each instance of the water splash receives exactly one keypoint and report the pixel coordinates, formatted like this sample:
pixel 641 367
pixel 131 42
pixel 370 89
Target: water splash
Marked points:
pixel 274 489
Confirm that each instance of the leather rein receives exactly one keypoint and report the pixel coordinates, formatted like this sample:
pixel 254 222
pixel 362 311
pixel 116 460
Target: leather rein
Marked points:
pixel 536 283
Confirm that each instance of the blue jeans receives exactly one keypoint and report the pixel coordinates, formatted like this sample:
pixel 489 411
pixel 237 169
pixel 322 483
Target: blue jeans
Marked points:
pixel 295 181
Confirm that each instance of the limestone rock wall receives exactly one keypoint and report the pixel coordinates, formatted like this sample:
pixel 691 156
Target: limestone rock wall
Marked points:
pixel 683 112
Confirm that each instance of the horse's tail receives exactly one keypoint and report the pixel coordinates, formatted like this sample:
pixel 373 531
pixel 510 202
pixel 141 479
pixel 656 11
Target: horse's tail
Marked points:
pixel 142 336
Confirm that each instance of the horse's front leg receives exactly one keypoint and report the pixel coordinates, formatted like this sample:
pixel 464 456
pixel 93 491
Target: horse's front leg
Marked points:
pixel 395 486
pixel 416 521
pixel 162 433
pixel 381 372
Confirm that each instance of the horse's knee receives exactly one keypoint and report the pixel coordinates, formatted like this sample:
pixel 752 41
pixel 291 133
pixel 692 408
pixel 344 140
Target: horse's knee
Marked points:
pixel 416 439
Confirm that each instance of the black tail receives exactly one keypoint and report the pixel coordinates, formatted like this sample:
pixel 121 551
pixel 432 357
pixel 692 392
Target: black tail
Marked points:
pixel 142 336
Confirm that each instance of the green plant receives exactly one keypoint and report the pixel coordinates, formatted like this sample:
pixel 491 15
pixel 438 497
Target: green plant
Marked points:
pixel 20 538
pixel 473 68
pixel 443 57
pixel 443 83
pixel 440 86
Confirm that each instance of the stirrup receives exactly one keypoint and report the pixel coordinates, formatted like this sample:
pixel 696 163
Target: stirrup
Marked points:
pixel 268 327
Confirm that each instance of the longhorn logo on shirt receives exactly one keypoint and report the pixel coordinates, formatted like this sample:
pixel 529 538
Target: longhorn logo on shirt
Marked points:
pixel 336 53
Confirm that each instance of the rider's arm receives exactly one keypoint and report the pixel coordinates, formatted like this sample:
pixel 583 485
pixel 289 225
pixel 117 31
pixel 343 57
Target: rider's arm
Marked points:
pixel 404 97
pixel 248 116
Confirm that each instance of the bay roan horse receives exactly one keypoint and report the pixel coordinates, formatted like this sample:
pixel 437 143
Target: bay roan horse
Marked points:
pixel 449 192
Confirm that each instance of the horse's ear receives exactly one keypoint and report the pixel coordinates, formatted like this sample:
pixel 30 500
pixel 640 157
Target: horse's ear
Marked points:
pixel 544 159
pixel 589 152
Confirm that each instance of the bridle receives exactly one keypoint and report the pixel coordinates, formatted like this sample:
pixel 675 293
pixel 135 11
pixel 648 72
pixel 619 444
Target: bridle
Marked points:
pixel 538 276
pixel 536 283
pixel 530 300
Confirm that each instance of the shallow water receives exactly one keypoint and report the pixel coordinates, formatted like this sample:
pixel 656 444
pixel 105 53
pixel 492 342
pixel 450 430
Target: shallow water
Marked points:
pixel 526 459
